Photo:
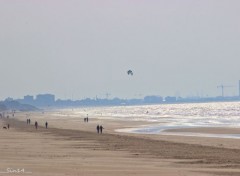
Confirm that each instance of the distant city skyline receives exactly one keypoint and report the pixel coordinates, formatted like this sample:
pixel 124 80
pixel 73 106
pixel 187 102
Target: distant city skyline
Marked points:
pixel 227 92
pixel 49 101
pixel 78 49
pixel 51 98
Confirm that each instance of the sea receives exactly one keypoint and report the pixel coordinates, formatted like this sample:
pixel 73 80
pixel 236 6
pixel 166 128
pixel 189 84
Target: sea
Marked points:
pixel 168 116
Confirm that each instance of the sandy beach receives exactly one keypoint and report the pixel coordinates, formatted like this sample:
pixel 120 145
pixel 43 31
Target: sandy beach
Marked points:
pixel 71 147
pixel 160 78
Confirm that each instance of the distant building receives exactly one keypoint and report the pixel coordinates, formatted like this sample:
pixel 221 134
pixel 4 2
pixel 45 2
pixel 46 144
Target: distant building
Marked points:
pixel 28 99
pixel 8 99
pixel 153 99
pixel 170 99
pixel 45 99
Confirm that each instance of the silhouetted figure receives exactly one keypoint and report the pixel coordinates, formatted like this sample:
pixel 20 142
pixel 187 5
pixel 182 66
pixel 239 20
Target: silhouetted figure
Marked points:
pixel 87 118
pixel 130 72
pixel 98 128
pixel 36 125
pixel 8 126
pixel 101 129
pixel 29 121
pixel 46 125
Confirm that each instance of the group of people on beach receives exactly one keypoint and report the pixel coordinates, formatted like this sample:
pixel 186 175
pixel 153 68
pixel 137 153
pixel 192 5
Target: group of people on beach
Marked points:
pixel 99 129
pixel 36 125
pixel 29 121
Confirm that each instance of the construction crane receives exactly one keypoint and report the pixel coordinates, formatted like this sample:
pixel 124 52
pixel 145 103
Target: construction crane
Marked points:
pixel 107 95
pixel 222 87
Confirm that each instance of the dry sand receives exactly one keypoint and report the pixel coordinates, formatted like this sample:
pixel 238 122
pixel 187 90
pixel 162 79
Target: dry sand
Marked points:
pixel 72 147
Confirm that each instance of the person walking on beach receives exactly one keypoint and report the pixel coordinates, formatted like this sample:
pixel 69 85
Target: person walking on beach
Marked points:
pixel 46 124
pixel 101 129
pixel 98 129
pixel 8 126
pixel 36 125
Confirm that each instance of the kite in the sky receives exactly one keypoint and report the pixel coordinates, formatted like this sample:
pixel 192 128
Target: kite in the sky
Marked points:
pixel 130 72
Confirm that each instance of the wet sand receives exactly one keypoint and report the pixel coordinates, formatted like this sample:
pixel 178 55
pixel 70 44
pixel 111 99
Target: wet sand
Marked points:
pixel 208 130
pixel 74 148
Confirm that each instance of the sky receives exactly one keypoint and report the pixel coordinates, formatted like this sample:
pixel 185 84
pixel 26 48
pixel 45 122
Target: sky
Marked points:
pixel 84 48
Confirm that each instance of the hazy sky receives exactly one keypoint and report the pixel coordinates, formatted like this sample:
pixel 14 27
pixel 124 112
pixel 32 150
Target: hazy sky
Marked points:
pixel 83 48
